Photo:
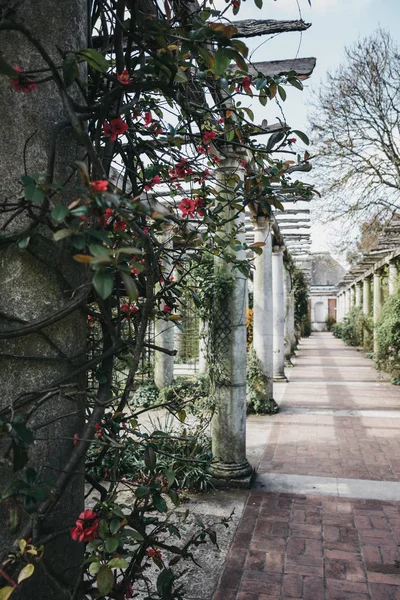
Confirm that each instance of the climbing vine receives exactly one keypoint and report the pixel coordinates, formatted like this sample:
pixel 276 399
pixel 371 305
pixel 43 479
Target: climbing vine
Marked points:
pixel 155 104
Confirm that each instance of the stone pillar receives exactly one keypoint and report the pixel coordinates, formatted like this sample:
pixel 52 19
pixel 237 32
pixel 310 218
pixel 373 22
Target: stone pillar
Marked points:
pixel 262 301
pixel 377 304
pixel 203 346
pixel 37 281
pixel 341 306
pixel 393 275
pixel 278 315
pixel 227 331
pixel 347 302
pixel 291 323
pixel 352 296
pixel 359 294
pixel 366 304
pixel 164 331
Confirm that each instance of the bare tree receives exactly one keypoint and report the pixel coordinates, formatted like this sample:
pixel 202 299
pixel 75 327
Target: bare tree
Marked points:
pixel 355 121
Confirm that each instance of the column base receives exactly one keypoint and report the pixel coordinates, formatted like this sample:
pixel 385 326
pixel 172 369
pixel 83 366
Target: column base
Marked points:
pixel 280 377
pixel 288 362
pixel 231 471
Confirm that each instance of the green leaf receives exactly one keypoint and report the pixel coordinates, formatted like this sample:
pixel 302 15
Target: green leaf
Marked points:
pixel 94 568
pixel 95 59
pixel 274 139
pixel 31 475
pixel 99 251
pixel 150 458
pixel 133 534
pixel 34 193
pixel 6 592
pixel 295 83
pixel 118 563
pixel 258 3
pixel 141 491
pixel 165 582
pixel 70 71
pixel 159 502
pixel 13 488
pixel 114 525
pixel 26 572
pixel 26 180
pixel 130 286
pixel 103 284
pixel 105 581
pixel 111 544
pixel 62 233
pixel 282 93
pixel 222 60
pixel 174 497
pixel 59 212
pixel 170 475
pixel 302 136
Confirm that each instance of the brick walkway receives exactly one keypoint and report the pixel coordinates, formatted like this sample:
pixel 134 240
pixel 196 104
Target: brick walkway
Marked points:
pixel 324 547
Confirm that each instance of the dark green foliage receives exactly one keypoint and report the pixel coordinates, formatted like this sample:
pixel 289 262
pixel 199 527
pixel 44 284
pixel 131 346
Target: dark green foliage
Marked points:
pixel 301 294
pixel 352 329
pixel 388 337
pixel 330 322
pixel 257 400
pixel 146 395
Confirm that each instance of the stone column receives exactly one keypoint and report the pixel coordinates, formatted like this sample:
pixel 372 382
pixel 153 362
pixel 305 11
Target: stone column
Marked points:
pixel 377 304
pixel 278 315
pixel 291 324
pixel 359 294
pixel 286 299
pixel 203 346
pixel 347 302
pixel 393 275
pixel 262 301
pixel 366 304
pixel 227 330
pixel 352 296
pixel 164 331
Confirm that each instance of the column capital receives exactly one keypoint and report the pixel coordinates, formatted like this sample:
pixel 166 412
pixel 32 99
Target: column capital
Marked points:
pixel 278 249
pixel 261 223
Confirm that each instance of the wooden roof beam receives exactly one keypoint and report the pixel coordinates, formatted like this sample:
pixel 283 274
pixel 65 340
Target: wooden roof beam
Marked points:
pixel 253 27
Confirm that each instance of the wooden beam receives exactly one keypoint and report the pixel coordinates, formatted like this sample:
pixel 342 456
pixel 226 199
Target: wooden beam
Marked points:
pixel 253 27
pixel 303 67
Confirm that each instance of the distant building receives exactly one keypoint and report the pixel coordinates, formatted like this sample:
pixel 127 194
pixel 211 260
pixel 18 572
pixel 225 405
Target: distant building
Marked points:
pixel 325 274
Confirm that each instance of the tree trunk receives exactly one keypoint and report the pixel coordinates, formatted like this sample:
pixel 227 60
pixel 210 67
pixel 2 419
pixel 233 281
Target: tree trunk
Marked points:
pixel 38 281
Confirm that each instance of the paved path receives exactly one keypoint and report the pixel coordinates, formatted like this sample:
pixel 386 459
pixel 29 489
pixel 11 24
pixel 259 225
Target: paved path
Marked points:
pixel 322 521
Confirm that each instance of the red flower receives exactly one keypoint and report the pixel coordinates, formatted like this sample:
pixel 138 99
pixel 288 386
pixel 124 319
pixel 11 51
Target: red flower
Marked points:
pixel 114 128
pixel 235 3
pixel 158 130
pixel 148 119
pixel 208 136
pixel 199 204
pixel 129 310
pixel 243 163
pixel 221 120
pixel 124 78
pixel 166 309
pixel 181 170
pixel 292 140
pixel 119 226
pixel 151 552
pixel 202 149
pixel 86 527
pixel 246 83
pixel 100 185
pixel 216 159
pixel 187 207
pixel 155 181
pixel 22 83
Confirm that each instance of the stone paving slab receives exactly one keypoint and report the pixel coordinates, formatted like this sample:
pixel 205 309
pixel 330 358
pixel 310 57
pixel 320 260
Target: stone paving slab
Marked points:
pixel 291 546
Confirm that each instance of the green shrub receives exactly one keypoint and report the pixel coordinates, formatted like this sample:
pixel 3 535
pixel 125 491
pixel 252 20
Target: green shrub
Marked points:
pixel 187 454
pixel 388 337
pixel 337 330
pixel 305 327
pixel 330 322
pixel 257 400
pixel 352 327
pixel 146 395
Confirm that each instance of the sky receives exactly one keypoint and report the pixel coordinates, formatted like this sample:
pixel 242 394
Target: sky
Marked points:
pixel 335 24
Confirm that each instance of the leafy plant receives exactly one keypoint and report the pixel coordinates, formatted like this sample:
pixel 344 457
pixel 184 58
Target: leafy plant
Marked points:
pixel 330 322
pixel 388 337
pixel 257 400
